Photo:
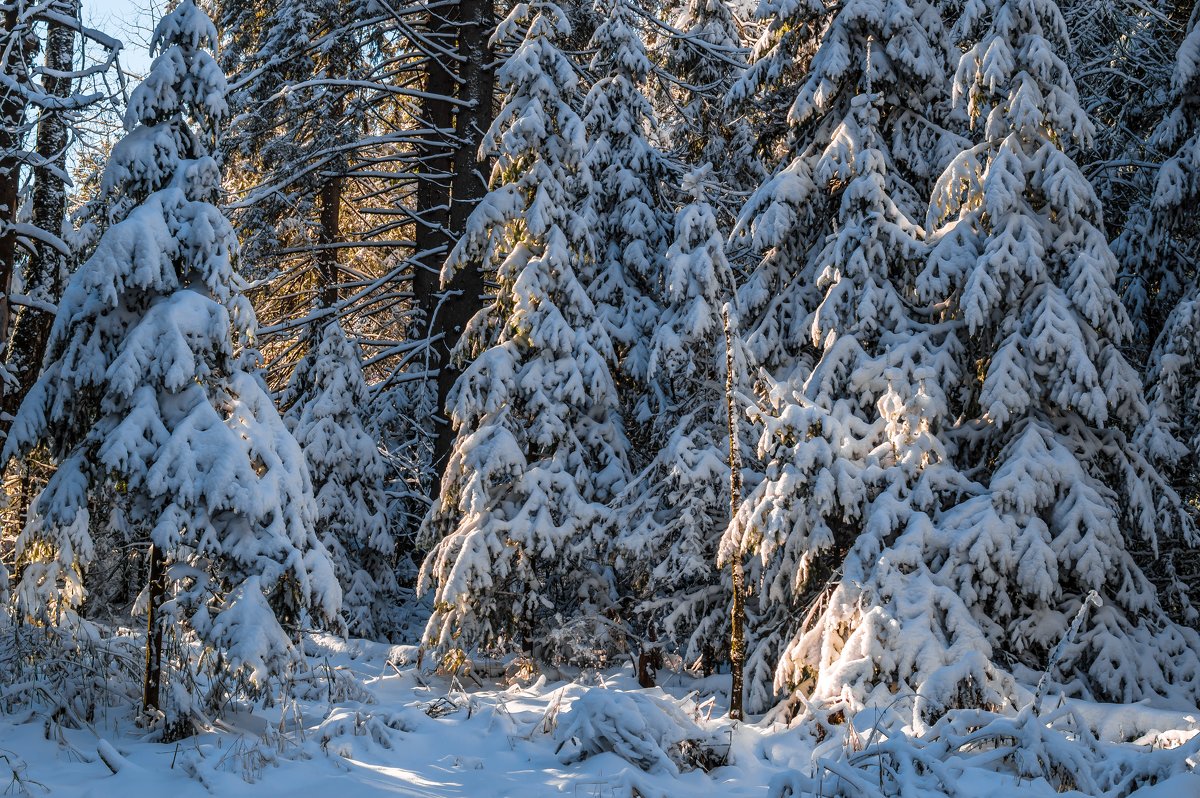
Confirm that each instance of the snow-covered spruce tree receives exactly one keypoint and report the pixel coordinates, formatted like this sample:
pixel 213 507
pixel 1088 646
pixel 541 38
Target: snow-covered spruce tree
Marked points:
pixel 325 401
pixel 1171 434
pixel 672 514
pixel 626 212
pixel 850 419
pixel 145 396
pixel 1062 492
pixel 540 446
pixel 808 56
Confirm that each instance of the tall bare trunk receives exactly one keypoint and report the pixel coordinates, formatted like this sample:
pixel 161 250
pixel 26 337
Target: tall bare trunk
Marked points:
pixel 330 235
pixel 156 589
pixel 475 112
pixel 17 45
pixel 433 199
pixel 737 640
pixel 462 297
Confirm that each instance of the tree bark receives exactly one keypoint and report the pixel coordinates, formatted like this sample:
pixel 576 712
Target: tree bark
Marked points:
pixel 737 640
pixel 46 267
pixel 18 43
pixel 475 112
pixel 462 296
pixel 433 205
pixel 156 589
pixel 330 198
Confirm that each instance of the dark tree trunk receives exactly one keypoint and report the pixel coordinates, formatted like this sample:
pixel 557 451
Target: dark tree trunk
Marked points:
pixel 433 200
pixel 330 235
pixel 156 589
pixel 475 111
pixel 18 44
pixel 45 270
pixel 462 297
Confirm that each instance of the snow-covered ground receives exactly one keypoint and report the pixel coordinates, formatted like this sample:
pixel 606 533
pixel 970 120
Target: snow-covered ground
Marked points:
pixel 405 731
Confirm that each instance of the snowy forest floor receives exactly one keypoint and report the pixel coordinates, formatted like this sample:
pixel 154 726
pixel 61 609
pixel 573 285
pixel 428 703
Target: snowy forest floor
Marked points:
pixel 399 730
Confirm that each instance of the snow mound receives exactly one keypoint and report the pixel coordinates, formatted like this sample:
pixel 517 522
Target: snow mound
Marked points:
pixel 653 733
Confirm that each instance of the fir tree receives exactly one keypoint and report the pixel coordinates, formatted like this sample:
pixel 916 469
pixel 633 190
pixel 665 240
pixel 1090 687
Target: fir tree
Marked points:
pixel 1171 434
pixel 1062 493
pixel 812 90
pixel 850 417
pixel 146 395
pixel 325 400
pixel 540 446
pixel 672 514
pixel 626 210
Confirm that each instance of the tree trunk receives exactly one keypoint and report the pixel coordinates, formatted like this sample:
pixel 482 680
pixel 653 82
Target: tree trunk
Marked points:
pixel 46 267
pixel 330 198
pixel 737 641
pixel 462 297
pixel 433 203
pixel 17 44
pixel 156 589
pixel 475 112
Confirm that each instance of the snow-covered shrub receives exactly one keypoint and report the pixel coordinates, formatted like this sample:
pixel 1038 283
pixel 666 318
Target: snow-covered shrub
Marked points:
pixel 323 682
pixel 651 733
pixel 73 672
pixel 1056 748
pixel 590 641
pixel 381 729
